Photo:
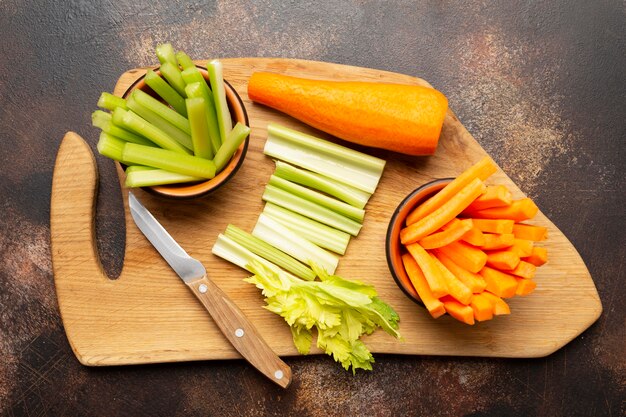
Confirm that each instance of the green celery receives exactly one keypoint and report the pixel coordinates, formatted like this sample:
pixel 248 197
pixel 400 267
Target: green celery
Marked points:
pixel 326 158
pixel 201 90
pixel 110 146
pixel 151 177
pixel 103 121
pixel 234 139
pixel 166 112
pixel 350 195
pixel 268 252
pixel 168 160
pixel 132 121
pixel 110 102
pixel 289 242
pixel 196 111
pixel 323 236
pixel 311 210
pixel 136 168
pixel 216 78
pixel 165 53
pixel 166 92
pixel 319 198
pixel 172 75
pixel 184 60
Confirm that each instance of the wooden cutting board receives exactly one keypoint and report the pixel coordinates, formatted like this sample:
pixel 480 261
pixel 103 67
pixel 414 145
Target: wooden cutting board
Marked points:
pixel 148 315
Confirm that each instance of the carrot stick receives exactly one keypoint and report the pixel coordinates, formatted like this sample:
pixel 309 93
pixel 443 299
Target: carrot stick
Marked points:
pixel 466 256
pixel 530 232
pixel 430 270
pixel 473 281
pixel 525 286
pixel 522 247
pixel 494 196
pixel 494 225
pixel 457 289
pixel 461 312
pixel 481 170
pixel 500 307
pixel 497 241
pixel 518 210
pixel 524 270
pixel 432 304
pixel 503 259
pixel 474 237
pixel 538 257
pixel 482 307
pixel 447 236
pixel 501 284
pixel 442 215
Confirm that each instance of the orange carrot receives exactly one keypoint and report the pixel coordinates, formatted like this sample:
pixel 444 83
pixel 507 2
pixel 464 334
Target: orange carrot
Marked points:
pixel 501 284
pixel 523 269
pixel 495 241
pixel 466 256
pixel 457 310
pixel 473 281
pixel 494 196
pixel 397 117
pixel 525 286
pixel 500 307
pixel 482 307
pixel 456 288
pixel 502 259
pixel 474 237
pixel 447 236
pixel 538 257
pixel 432 304
pixel 481 170
pixel 430 270
pixel 494 225
pixel 522 247
pixel 449 210
pixel 530 232
pixel 518 210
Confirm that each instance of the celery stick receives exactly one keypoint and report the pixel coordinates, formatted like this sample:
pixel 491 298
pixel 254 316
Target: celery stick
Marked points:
pixel 131 121
pixel 267 251
pixel 172 75
pixel 184 60
pixel 311 210
pixel 103 121
pixel 196 111
pixel 319 198
pixel 289 242
pixel 165 53
pixel 350 195
pixel 200 89
pixel 162 110
pixel 224 121
pixel 136 168
pixel 166 92
pixel 323 236
pixel 167 128
pixel 168 160
pixel 326 158
pixel 150 177
pixel 110 146
pixel 110 102
pixel 230 145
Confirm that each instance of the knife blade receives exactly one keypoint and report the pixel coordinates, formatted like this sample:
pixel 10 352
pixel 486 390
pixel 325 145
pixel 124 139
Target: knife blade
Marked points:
pixel 244 337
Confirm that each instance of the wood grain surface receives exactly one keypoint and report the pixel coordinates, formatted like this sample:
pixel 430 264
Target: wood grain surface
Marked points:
pixel 147 315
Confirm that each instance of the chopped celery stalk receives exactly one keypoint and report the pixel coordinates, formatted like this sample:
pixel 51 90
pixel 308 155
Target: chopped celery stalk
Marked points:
pixel 166 92
pixel 323 236
pixel 326 158
pixel 168 160
pixel 350 195
pixel 110 146
pixel 234 139
pixel 216 78
pixel 167 128
pixel 184 60
pixel 103 121
pixel 267 251
pixel 150 177
pixel 162 110
pixel 200 89
pixel 132 121
pixel 110 102
pixel 136 168
pixel 172 75
pixel 165 53
pixel 289 242
pixel 196 111
pixel 319 198
pixel 311 210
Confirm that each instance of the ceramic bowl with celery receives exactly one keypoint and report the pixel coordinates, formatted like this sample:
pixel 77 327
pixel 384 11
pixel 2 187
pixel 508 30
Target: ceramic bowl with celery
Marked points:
pixel 180 131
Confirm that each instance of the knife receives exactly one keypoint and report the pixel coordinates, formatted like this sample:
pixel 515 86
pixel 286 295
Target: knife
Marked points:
pixel 229 318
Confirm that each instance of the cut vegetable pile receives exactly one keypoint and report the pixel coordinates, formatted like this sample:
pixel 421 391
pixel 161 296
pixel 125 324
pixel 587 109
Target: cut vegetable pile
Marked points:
pixel 467 248
pixel 314 203
pixel 186 137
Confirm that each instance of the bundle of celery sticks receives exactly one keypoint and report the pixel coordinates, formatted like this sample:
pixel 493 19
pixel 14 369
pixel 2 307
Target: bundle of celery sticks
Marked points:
pixel 185 136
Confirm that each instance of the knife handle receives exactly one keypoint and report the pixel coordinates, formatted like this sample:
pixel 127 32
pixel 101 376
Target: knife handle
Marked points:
pixel 240 332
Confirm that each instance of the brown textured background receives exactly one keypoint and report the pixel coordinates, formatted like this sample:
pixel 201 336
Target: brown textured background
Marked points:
pixel 541 86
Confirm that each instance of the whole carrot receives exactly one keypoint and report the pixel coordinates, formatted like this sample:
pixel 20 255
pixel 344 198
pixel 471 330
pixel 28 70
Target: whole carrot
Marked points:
pixel 402 118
